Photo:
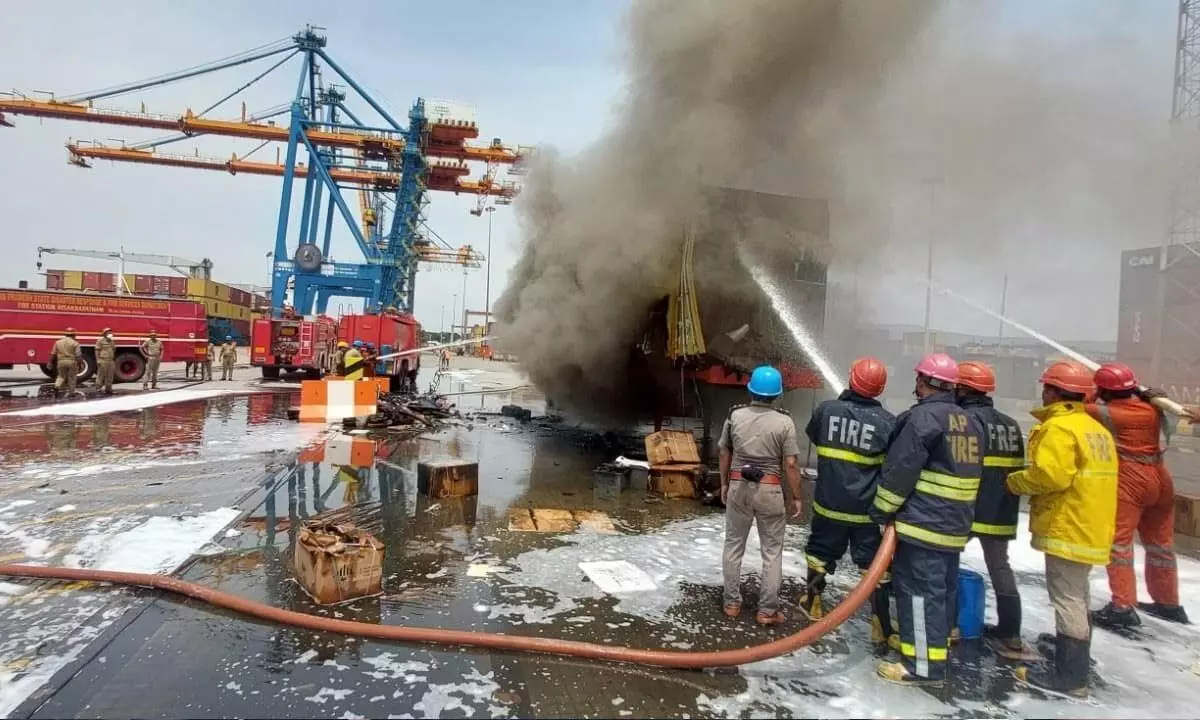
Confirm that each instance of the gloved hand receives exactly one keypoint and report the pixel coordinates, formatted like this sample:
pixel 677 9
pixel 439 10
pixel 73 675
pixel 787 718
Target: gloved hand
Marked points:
pixel 1150 393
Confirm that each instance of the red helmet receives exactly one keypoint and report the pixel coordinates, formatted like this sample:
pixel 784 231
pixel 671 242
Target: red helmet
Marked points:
pixel 939 366
pixel 1115 376
pixel 977 376
pixel 868 376
pixel 1069 376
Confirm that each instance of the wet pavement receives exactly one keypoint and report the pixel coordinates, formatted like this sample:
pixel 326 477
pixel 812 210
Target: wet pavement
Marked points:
pixel 451 563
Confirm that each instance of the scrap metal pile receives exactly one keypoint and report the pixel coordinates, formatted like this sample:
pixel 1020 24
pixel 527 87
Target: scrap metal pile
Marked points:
pixel 397 410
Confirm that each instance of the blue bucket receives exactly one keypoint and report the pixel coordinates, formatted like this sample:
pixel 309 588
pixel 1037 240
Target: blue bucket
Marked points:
pixel 971 602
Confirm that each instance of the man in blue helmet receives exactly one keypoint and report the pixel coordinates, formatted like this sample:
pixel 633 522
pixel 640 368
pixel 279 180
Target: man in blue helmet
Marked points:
pixel 353 361
pixel 758 447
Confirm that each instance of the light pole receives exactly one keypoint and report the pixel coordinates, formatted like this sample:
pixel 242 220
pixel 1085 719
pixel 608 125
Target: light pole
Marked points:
pixel 464 317
pixel 442 325
pixel 929 260
pixel 453 311
pixel 487 283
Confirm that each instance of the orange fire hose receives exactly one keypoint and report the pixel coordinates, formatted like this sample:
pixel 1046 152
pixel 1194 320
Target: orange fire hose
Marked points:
pixel 496 641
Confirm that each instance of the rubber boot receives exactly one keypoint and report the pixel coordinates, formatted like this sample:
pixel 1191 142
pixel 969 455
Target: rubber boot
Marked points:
pixel 1111 617
pixel 1005 636
pixel 896 672
pixel 1170 613
pixel 881 618
pixel 810 601
pixel 1067 674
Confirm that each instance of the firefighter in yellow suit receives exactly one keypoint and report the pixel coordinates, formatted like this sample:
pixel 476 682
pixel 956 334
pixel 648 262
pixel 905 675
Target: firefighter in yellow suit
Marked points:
pixel 354 361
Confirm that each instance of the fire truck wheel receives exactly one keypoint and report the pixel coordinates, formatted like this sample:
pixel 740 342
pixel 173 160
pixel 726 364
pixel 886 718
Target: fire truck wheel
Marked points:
pixel 87 368
pixel 47 370
pixel 270 372
pixel 129 367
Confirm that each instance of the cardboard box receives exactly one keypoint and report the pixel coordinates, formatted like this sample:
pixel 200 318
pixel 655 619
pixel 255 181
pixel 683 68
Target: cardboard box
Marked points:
pixel 1187 515
pixel 337 562
pixel 448 478
pixel 668 447
pixel 675 481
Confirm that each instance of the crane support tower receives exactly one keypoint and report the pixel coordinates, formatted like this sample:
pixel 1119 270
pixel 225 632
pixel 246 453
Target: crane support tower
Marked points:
pixel 387 162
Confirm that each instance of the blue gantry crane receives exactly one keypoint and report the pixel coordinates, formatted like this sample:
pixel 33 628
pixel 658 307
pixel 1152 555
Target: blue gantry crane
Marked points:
pixel 391 165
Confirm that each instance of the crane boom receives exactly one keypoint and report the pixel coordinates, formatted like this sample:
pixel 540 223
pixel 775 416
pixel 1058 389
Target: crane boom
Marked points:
pixel 188 268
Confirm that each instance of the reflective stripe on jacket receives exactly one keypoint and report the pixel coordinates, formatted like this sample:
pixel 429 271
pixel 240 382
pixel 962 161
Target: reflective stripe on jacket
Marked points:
pixel 930 477
pixel 1072 478
pixel 354 364
pixel 996 508
pixel 850 435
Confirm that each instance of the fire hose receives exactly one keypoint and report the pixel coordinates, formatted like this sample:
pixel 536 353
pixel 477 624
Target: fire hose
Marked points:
pixel 494 641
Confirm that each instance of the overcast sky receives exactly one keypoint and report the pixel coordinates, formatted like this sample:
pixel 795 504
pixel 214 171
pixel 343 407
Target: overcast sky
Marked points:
pixel 544 72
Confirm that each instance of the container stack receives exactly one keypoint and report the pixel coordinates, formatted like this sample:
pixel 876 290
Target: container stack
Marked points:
pixel 228 308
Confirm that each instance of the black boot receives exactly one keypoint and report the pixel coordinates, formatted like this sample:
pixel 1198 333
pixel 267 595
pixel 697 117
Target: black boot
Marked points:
pixel 1005 636
pixel 1067 674
pixel 881 618
pixel 810 601
pixel 1170 613
pixel 1111 617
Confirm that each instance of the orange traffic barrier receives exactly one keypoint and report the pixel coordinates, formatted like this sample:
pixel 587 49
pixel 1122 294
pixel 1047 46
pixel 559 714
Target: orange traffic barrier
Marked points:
pixel 344 450
pixel 333 400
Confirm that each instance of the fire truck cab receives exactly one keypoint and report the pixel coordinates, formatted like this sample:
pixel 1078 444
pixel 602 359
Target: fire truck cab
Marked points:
pixel 293 344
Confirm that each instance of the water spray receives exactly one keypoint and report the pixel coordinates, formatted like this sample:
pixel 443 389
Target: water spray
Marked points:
pixel 800 333
pixel 1162 403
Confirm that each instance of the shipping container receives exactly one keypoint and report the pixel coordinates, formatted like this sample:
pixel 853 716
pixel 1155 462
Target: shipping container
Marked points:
pixel 91 281
pixel 178 286
pixel 161 284
pixel 143 284
pixel 72 280
pixel 221 291
pixel 1158 324
pixel 54 280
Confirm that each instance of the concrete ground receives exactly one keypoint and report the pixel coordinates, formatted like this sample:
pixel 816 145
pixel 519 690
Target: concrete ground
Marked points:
pixel 227 480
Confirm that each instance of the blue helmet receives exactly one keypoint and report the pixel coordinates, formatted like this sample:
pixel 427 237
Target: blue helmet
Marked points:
pixel 765 381
pixel 358 343
pixel 228 337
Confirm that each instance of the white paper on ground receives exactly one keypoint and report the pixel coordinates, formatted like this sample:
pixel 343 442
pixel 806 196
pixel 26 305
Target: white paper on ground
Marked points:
pixel 132 401
pixel 617 576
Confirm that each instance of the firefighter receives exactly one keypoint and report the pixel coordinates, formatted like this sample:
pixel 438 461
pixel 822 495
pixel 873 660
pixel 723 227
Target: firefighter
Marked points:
pixel 67 356
pixel 152 350
pixel 370 356
pixel 210 355
pixel 105 359
pixel 353 360
pixel 228 358
pixel 339 358
pixel 850 435
pixel 1145 501
pixel 1072 478
pixel 758 446
pixel 927 486
pixel 996 509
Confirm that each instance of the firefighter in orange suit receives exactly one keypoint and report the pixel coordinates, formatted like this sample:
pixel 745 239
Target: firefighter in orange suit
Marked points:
pixel 1145 501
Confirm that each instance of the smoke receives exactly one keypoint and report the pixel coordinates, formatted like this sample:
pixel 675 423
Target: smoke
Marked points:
pixel 872 106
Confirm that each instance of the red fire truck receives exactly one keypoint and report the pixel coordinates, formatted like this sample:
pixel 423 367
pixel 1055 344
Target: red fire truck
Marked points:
pixel 31 321
pixel 293 344
pixel 390 333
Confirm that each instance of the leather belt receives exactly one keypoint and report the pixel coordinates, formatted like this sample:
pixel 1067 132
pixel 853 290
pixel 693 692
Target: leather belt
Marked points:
pixel 766 479
pixel 1141 458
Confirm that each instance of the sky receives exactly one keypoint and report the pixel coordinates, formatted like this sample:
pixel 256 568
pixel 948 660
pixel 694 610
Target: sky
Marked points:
pixel 539 72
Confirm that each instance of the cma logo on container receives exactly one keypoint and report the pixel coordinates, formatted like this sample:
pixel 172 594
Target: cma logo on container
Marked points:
pixel 1143 260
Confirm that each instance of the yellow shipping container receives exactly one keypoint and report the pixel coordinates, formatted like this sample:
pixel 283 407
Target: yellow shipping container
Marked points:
pixel 220 292
pixel 72 280
pixel 127 285
pixel 197 288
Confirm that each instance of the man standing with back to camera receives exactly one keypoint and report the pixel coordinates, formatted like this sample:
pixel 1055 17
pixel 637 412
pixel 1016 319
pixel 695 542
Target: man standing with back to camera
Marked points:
pixel 850 434
pixel 758 445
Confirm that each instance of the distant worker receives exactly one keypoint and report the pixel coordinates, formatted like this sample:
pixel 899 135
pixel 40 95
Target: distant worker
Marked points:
pixel 927 486
pixel 228 358
pixel 996 509
pixel 1072 478
pixel 758 446
pixel 370 358
pixel 106 353
pixel 1145 501
pixel 353 360
pixel 444 362
pixel 68 357
pixel 339 358
pixel 851 436
pixel 152 350
pixel 210 355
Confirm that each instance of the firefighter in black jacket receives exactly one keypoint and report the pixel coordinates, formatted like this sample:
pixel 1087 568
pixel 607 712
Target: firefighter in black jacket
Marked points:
pixel 996 508
pixel 850 435
pixel 928 485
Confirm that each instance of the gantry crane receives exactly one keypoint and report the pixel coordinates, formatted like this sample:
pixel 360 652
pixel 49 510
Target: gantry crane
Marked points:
pixel 183 266
pixel 342 151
